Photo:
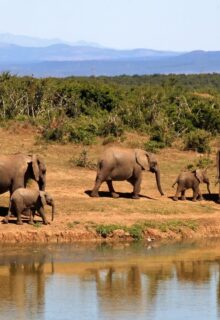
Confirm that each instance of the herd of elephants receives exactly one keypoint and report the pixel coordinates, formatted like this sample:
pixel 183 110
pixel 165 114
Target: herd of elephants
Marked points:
pixel 115 164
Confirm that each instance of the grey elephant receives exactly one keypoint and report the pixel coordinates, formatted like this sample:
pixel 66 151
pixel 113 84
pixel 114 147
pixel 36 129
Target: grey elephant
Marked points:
pixel 23 200
pixel 118 164
pixel 218 173
pixel 17 169
pixel 191 180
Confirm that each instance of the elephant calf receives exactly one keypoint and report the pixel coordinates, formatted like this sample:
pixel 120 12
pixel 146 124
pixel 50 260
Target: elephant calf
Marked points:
pixel 32 200
pixel 191 180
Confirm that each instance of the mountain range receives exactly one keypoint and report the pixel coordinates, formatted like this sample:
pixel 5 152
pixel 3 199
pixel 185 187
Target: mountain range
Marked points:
pixel 23 55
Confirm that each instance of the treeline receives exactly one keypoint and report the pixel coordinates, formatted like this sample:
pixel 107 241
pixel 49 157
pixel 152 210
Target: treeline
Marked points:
pixel 80 109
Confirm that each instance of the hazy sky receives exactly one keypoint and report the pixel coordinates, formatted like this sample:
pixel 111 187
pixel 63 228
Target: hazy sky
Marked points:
pixel 154 24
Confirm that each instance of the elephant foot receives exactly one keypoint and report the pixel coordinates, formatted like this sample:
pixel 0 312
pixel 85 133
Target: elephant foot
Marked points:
pixel 115 195
pixel 194 200
pixel 94 194
pixel 46 222
pixel 5 221
pixel 175 198
pixel 31 223
pixel 135 196
pixel 201 198
pixel 183 198
pixel 19 223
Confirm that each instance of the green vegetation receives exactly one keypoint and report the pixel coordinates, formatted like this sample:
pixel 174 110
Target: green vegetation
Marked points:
pixel 81 109
pixel 83 161
pixel 198 140
pixel 201 163
pixel 136 231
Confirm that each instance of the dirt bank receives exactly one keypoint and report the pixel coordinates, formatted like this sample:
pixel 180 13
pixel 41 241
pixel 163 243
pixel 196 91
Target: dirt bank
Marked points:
pixel 80 217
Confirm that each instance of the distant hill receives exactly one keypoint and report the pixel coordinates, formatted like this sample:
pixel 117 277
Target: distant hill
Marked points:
pixel 11 53
pixel 52 57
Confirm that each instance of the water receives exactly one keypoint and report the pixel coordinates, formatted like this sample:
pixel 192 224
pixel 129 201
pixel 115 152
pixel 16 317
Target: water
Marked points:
pixel 173 281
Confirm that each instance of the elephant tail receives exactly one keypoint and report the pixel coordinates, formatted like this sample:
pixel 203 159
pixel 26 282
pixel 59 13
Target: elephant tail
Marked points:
pixel 99 166
pixel 174 184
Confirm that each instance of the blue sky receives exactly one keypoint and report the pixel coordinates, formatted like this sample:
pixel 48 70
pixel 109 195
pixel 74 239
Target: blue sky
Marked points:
pixel 180 25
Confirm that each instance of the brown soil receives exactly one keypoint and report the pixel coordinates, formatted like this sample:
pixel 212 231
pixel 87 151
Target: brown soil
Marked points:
pixel 78 215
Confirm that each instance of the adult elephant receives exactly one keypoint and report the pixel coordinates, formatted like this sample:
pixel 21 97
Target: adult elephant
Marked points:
pixel 218 172
pixel 17 169
pixel 117 164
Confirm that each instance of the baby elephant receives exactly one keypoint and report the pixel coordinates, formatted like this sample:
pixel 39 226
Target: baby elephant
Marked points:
pixel 23 200
pixel 187 180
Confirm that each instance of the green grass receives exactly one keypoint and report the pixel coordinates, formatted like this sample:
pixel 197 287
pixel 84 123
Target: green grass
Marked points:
pixel 136 231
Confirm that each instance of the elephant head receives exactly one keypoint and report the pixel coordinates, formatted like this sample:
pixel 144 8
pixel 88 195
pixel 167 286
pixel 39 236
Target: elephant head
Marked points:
pixel 148 161
pixel 37 170
pixel 46 199
pixel 201 175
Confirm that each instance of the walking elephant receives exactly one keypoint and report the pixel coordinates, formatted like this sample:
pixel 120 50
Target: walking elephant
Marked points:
pixel 32 200
pixel 187 180
pixel 118 164
pixel 17 169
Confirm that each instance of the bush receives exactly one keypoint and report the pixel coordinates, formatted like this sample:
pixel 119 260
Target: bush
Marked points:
pixel 83 161
pixel 80 135
pixel 198 140
pixel 154 146
pixel 111 126
pixel 53 134
pixel 162 135
pixel 200 163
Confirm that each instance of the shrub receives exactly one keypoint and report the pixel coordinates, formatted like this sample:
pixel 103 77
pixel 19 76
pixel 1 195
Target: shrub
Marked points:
pixel 83 161
pixel 53 134
pixel 111 126
pixel 83 130
pixel 163 135
pixel 200 163
pixel 198 140
pixel 154 146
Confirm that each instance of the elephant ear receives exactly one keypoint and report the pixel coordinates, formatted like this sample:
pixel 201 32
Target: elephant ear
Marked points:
pixel 42 198
pixel 142 158
pixel 35 167
pixel 199 175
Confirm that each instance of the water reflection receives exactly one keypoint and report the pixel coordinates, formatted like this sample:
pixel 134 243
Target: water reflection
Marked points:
pixel 75 282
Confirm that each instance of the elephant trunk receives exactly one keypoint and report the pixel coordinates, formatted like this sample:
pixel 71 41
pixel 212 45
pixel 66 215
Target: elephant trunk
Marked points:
pixel 157 174
pixel 53 211
pixel 42 185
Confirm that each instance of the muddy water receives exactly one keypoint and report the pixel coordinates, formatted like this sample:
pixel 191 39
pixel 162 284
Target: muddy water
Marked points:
pixel 138 281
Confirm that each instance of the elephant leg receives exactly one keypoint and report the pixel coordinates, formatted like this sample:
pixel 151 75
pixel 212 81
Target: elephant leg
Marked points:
pixel 183 197
pixel 111 189
pixel 195 194
pixel 178 190
pixel 31 220
pixel 137 187
pixel 200 195
pixel 6 218
pixel 95 191
pixel 42 214
pixel 19 221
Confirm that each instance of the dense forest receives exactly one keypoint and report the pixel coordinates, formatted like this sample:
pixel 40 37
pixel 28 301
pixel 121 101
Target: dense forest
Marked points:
pixel 77 109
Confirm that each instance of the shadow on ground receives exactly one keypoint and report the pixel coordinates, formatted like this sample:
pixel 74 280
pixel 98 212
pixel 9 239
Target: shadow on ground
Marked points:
pixel 208 197
pixel 3 211
pixel 125 195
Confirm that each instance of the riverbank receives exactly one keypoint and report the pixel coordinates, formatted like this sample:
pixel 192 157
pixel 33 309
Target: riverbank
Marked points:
pixel 81 218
